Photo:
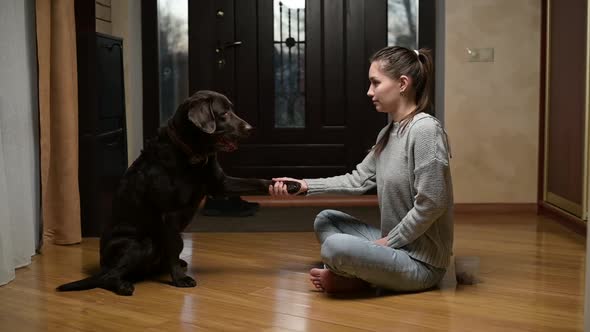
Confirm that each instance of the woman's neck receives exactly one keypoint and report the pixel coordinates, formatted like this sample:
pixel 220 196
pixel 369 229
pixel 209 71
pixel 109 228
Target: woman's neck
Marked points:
pixel 404 109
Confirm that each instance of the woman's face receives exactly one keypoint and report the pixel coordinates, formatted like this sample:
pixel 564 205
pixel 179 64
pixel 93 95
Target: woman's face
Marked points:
pixel 383 90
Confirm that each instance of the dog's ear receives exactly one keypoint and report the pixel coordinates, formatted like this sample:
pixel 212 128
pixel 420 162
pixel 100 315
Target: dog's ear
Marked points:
pixel 202 116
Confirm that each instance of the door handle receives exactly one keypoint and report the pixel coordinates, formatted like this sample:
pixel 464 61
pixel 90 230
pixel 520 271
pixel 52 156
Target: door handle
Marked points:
pixel 234 44
pixel 220 52
pixel 220 48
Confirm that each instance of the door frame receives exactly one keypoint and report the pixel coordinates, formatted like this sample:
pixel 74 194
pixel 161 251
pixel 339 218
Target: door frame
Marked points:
pixel 150 64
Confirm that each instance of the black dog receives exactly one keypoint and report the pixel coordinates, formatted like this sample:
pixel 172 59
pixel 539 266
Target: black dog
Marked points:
pixel 160 192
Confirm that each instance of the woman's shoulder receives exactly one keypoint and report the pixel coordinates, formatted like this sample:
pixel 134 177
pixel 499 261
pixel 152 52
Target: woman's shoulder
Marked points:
pixel 428 135
pixel 424 122
pixel 383 131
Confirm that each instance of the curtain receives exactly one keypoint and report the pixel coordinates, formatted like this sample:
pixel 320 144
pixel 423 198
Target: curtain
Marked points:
pixel 19 145
pixel 58 112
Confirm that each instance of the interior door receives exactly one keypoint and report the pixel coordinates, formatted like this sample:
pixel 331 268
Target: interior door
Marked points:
pixel 567 100
pixel 297 71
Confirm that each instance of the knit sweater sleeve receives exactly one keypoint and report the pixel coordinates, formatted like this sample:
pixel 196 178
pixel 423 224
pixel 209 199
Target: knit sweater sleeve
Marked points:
pixel 428 146
pixel 356 182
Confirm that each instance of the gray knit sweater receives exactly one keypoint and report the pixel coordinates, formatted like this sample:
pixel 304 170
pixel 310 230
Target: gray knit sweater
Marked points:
pixel 414 189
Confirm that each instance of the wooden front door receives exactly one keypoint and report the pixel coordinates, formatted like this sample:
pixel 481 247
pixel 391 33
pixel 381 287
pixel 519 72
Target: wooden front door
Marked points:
pixel 298 75
pixel 304 93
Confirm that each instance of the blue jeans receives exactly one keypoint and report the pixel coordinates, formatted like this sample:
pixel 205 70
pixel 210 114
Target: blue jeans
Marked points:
pixel 348 250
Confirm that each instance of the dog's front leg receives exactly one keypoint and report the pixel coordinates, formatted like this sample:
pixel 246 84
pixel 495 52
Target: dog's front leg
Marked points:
pixel 173 247
pixel 221 184
pixel 245 186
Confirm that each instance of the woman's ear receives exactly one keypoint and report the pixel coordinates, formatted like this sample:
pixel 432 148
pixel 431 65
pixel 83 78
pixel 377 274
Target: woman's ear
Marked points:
pixel 404 82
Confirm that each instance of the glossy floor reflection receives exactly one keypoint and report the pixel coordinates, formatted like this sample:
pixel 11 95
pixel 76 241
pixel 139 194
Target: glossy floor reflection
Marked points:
pixel 531 272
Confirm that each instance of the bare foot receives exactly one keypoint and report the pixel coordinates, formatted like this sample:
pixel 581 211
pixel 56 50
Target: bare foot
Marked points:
pixel 326 281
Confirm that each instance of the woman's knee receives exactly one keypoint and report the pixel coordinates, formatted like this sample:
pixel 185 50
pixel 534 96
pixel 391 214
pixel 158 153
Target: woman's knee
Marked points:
pixel 336 249
pixel 323 219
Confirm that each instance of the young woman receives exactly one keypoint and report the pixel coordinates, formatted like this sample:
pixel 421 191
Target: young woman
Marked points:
pixel 409 165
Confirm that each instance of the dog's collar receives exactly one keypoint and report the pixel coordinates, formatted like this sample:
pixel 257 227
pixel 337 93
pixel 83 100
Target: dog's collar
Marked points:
pixel 194 159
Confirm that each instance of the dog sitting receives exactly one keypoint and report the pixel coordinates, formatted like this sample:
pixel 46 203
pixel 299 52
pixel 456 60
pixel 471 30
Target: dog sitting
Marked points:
pixel 159 194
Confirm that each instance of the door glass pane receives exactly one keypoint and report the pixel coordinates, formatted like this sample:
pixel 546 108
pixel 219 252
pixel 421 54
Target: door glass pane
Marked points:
pixel 402 23
pixel 289 63
pixel 173 55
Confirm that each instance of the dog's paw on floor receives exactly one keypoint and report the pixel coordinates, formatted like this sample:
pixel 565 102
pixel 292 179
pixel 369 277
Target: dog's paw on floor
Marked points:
pixel 184 282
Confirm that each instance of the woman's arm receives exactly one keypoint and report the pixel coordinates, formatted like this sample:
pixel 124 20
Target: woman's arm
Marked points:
pixel 357 182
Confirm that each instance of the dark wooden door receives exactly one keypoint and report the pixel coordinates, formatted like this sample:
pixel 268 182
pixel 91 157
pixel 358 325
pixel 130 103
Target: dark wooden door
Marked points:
pixel 302 86
pixel 566 106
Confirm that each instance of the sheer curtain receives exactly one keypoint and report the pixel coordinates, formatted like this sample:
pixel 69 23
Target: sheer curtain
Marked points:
pixel 19 138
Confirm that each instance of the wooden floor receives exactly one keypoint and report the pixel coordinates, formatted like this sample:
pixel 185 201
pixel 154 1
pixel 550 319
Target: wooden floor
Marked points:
pixel 532 279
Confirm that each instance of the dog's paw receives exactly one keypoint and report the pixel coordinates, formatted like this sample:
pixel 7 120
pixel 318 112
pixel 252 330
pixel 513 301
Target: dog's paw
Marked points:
pixel 185 281
pixel 292 186
pixel 125 288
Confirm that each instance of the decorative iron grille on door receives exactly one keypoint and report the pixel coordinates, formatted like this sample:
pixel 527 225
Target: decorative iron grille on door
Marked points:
pixel 289 63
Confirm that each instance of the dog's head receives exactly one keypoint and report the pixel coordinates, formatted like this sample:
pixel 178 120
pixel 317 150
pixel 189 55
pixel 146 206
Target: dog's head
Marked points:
pixel 207 117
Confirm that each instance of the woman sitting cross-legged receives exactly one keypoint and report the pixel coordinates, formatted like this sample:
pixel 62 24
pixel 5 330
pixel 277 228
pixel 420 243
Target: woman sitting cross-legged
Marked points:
pixel 409 165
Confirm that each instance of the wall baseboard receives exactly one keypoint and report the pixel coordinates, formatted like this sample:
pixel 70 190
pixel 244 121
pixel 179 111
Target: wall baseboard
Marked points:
pixel 497 208
pixel 573 223
pixel 371 200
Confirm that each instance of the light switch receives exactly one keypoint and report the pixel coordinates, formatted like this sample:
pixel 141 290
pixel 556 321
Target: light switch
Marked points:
pixel 479 54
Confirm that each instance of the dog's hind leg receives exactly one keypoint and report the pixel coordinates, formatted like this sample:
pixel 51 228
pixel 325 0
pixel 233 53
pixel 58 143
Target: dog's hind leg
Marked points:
pixel 130 256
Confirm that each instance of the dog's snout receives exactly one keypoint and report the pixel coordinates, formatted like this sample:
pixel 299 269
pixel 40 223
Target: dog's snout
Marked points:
pixel 248 127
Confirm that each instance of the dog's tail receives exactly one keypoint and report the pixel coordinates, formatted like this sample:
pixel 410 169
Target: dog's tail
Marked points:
pixel 84 284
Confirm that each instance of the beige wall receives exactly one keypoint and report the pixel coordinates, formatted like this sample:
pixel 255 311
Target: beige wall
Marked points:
pixel 103 16
pixel 126 24
pixel 492 108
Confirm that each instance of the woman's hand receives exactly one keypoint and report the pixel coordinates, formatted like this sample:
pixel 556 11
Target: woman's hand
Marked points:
pixel 280 188
pixel 382 241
